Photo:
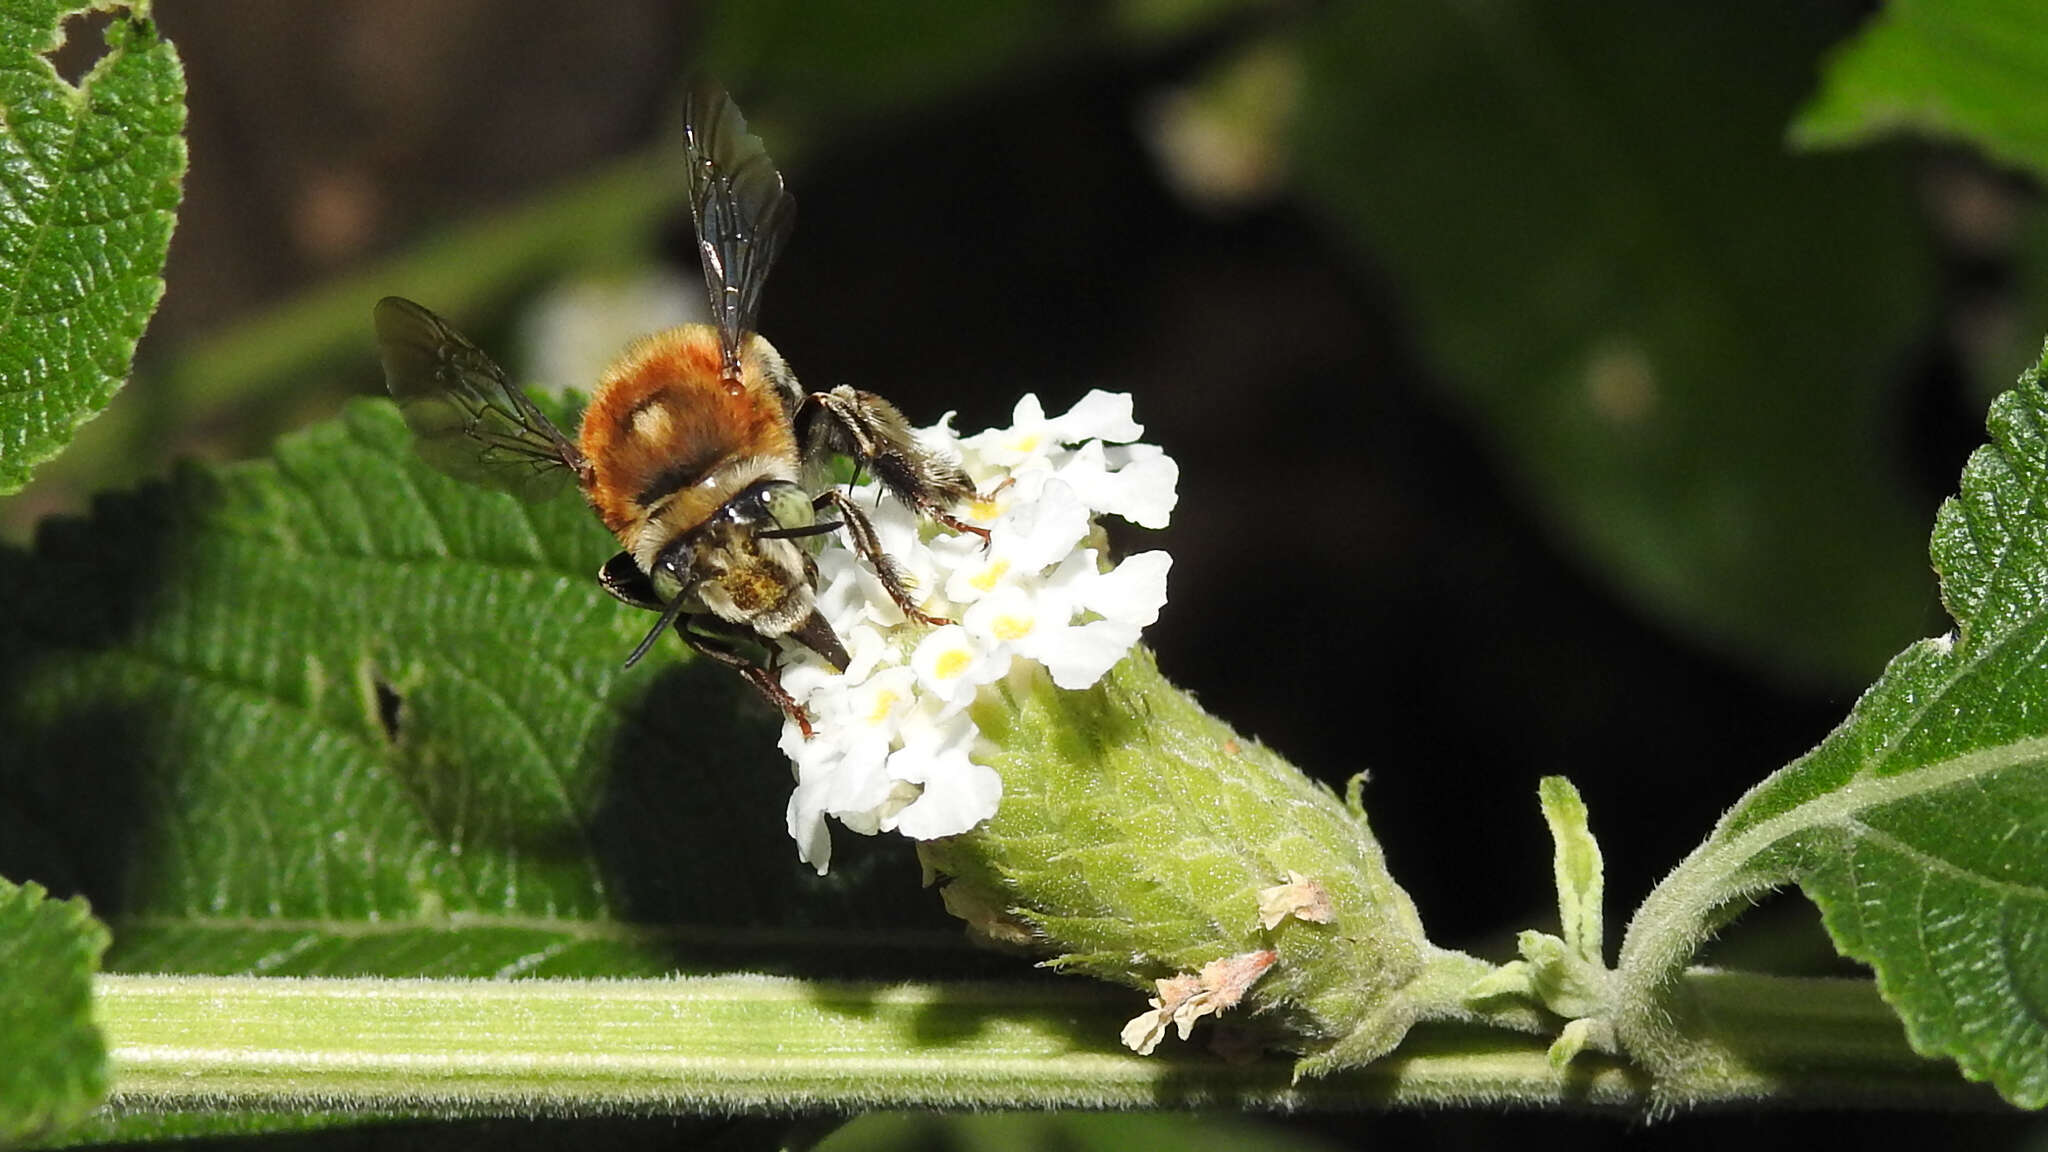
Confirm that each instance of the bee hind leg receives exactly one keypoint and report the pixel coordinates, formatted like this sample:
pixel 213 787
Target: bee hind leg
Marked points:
pixel 871 430
pixel 764 679
pixel 861 531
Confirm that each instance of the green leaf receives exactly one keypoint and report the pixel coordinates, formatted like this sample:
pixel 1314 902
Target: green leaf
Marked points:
pixel 1920 825
pixel 1972 70
pixel 1676 337
pixel 335 713
pixel 89 183
pixel 55 1068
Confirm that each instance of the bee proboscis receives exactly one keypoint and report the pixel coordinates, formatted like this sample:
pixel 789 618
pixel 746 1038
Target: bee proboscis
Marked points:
pixel 698 448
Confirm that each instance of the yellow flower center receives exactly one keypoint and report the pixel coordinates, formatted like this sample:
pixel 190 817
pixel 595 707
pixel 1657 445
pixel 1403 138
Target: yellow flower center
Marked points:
pixel 952 664
pixel 989 575
pixel 1026 443
pixel 1013 627
pixel 884 701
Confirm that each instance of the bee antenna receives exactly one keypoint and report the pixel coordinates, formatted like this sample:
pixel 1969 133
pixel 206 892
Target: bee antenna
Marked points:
pixel 818 529
pixel 668 617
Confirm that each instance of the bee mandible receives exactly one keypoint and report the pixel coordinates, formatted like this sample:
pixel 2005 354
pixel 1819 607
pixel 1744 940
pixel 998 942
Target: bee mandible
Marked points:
pixel 698 448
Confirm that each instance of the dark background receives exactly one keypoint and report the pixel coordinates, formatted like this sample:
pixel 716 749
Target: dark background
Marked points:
pixel 1363 575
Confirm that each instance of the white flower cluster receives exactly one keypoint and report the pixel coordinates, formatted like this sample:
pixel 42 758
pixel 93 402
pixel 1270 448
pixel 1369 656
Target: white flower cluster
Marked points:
pixel 894 746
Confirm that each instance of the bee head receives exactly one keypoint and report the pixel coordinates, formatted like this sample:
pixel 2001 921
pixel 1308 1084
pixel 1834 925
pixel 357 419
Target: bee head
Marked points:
pixel 775 509
pixel 671 572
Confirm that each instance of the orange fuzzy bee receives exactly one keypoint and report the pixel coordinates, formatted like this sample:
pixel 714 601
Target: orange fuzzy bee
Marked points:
pixel 698 450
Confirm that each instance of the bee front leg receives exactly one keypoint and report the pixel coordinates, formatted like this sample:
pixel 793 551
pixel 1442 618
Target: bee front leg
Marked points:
pixel 623 578
pixel 764 680
pixel 871 430
pixel 861 531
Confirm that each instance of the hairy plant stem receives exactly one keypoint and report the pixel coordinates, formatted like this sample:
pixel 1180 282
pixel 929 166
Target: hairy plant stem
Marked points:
pixel 274 1045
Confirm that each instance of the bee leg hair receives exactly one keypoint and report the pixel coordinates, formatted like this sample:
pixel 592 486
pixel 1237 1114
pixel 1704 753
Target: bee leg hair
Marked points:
pixel 763 679
pixel 871 430
pixel 861 531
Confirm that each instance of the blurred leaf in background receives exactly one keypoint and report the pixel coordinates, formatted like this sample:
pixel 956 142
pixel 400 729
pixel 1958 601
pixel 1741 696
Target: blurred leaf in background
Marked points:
pixel 1971 70
pixel 1968 72
pixel 1683 341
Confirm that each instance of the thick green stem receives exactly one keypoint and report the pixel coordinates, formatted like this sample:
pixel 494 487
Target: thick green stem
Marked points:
pixel 755 1043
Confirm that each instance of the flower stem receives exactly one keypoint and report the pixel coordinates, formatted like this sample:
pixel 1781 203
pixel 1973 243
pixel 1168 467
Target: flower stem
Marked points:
pixel 755 1043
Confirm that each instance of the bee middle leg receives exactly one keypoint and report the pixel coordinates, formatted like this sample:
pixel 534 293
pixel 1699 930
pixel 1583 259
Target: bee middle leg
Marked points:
pixel 764 679
pixel 861 531
pixel 871 430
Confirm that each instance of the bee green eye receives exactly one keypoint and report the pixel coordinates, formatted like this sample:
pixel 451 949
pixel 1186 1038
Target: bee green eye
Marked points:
pixel 672 568
pixel 788 506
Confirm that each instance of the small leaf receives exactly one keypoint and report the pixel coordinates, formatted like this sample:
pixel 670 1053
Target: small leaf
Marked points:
pixel 1569 1043
pixel 1920 826
pixel 335 713
pixel 1972 70
pixel 55 1067
pixel 1575 863
pixel 89 184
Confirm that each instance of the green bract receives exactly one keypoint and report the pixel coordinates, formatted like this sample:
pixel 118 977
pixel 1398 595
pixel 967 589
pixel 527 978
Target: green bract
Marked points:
pixel 1135 836
pixel 89 184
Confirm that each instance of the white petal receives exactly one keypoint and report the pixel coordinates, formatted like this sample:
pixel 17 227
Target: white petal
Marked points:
pixel 1005 617
pixel 977 573
pixel 958 793
pixel 857 788
pixel 1144 488
pixel 1028 412
pixel 1027 438
pixel 1077 657
pixel 951 665
pixel 806 822
pixel 1132 592
pixel 866 651
pixel 879 702
pixel 1099 416
pixel 1043 531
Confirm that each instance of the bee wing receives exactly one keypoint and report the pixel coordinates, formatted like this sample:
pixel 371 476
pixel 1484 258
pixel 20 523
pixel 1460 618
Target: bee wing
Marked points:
pixel 742 212
pixel 471 422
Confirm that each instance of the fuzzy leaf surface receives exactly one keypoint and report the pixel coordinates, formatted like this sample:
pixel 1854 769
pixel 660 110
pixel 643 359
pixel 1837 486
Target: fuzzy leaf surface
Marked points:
pixel 56 1063
pixel 332 713
pixel 1971 70
pixel 1920 826
pixel 89 184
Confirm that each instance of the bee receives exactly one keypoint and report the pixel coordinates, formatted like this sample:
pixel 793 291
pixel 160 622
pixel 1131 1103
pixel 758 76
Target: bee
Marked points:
pixel 698 449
